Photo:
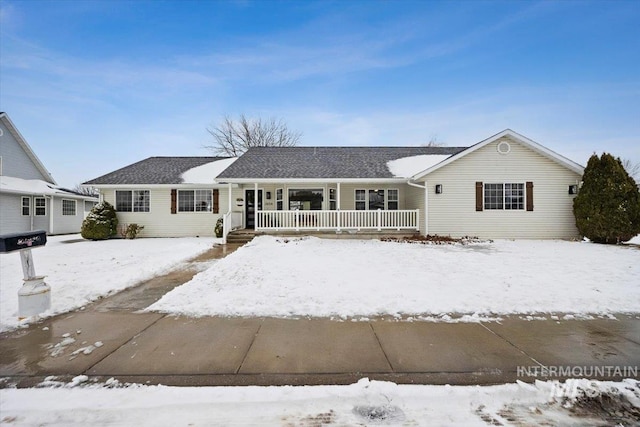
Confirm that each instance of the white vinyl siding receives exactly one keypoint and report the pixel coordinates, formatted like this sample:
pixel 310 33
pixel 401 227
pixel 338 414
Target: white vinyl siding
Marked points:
pixel 160 222
pixel 453 212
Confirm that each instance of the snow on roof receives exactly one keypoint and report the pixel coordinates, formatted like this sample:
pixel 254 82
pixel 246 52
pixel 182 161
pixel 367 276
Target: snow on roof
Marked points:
pixel 9 184
pixel 208 172
pixel 408 166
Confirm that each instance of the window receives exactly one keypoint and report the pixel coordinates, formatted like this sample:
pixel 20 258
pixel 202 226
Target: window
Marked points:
pixel 194 200
pixel 392 200
pixel 305 199
pixel 69 207
pixel 279 202
pixel 375 199
pixel 40 204
pixel 132 201
pixel 26 206
pixel 506 196
pixel 514 196
pixel 361 201
pixel 332 199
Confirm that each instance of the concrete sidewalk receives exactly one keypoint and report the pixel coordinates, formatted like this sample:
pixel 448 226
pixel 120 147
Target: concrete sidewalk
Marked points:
pixel 154 348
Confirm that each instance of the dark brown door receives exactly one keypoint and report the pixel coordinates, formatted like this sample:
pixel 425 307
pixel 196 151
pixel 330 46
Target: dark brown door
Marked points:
pixel 250 207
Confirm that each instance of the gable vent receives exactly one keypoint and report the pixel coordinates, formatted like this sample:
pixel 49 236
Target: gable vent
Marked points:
pixel 503 147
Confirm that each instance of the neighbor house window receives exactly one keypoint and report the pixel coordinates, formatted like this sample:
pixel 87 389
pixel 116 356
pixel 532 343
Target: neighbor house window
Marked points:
pixel 69 207
pixel 132 201
pixel 195 200
pixel 392 200
pixel 40 204
pixel 279 201
pixel 26 206
pixel 506 196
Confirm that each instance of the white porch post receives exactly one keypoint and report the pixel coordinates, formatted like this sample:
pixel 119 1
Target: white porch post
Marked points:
pixel 426 208
pixel 338 207
pixel 230 198
pixel 255 206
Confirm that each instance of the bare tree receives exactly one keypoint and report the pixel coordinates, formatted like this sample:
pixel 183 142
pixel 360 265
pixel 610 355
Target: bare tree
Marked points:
pixel 234 137
pixel 434 141
pixel 632 169
pixel 85 191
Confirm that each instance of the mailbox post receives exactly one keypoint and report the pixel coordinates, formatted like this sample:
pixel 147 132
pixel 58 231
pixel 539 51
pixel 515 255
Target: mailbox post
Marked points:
pixel 35 295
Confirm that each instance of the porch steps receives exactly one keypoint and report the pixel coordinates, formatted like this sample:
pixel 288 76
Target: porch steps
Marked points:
pixel 241 236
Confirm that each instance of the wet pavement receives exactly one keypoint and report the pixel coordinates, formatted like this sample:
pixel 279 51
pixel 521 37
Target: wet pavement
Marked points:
pixel 113 338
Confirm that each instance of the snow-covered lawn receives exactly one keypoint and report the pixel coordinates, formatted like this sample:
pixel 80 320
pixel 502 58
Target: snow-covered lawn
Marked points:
pixel 275 276
pixel 574 403
pixel 83 271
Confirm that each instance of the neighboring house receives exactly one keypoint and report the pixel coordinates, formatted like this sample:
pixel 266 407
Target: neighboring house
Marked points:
pixel 169 196
pixel 30 199
pixel 506 186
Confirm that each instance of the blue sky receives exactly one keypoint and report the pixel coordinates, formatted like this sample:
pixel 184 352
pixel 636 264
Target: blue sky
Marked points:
pixel 94 86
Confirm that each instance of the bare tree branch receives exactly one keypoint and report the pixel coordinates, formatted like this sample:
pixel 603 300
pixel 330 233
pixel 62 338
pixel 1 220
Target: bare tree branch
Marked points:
pixel 632 169
pixel 234 137
pixel 434 141
pixel 85 191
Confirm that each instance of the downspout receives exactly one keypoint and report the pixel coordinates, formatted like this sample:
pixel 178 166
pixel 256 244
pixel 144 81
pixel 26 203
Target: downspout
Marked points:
pixel 426 203
pixel 50 215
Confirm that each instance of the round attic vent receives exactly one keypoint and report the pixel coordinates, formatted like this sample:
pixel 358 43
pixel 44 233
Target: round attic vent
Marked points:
pixel 503 147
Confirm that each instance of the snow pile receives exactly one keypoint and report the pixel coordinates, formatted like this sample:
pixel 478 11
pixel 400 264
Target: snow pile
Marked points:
pixel 364 403
pixel 406 167
pixel 207 173
pixel 342 278
pixel 10 184
pixel 85 270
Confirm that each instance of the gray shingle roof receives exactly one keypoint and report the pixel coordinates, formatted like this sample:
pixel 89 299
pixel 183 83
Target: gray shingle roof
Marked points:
pixel 323 162
pixel 154 170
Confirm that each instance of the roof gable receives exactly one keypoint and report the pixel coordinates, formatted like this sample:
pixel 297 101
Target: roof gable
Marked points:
pixel 563 161
pixel 154 170
pixel 46 175
pixel 276 163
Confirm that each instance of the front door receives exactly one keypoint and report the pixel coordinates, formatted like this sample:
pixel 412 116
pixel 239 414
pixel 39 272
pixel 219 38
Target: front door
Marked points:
pixel 250 207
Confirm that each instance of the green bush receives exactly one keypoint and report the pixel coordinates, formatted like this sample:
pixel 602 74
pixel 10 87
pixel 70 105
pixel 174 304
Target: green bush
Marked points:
pixel 101 223
pixel 607 207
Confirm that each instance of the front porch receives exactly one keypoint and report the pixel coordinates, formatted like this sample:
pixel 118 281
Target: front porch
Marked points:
pixel 338 220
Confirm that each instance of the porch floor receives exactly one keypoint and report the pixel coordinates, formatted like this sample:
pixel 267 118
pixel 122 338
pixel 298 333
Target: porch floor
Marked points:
pixel 327 234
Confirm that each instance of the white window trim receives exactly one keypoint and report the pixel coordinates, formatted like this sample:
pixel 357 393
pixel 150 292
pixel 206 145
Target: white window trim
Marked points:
pixel 75 207
pixel 307 187
pixel 387 199
pixel 194 211
pixel 22 206
pixel 115 200
pixel 35 206
pixel 504 197
pixel 366 197
pixel 281 199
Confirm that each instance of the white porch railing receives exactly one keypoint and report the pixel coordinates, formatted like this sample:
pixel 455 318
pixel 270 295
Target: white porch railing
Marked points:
pixel 337 220
pixel 231 221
